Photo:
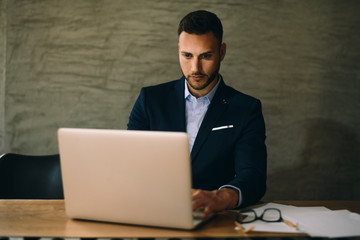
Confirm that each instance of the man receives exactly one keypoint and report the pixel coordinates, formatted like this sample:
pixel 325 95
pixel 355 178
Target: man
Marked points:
pixel 226 128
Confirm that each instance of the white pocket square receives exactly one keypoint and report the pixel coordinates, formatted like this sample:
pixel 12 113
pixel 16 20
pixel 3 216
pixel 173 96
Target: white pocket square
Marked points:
pixel 222 127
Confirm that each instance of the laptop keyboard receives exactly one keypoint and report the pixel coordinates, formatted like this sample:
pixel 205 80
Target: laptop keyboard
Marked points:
pixel 197 214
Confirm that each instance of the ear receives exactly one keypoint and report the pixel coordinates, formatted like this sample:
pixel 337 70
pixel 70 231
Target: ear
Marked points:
pixel 222 51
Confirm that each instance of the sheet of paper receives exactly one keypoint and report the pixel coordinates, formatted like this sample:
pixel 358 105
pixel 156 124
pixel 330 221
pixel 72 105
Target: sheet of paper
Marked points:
pixel 315 221
pixel 270 227
pixel 333 224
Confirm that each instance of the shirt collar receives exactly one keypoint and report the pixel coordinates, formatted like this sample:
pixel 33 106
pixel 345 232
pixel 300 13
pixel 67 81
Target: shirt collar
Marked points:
pixel 210 94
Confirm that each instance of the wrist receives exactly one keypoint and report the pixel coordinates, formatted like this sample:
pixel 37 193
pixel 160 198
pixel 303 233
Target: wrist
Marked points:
pixel 230 197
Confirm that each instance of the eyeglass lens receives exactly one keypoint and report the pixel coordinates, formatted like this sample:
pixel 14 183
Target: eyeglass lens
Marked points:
pixel 271 215
pixel 247 216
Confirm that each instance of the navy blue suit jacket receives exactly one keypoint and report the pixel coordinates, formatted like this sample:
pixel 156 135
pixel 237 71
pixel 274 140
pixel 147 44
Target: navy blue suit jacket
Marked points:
pixel 228 156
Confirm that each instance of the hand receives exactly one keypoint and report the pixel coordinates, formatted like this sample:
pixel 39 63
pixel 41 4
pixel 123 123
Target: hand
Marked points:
pixel 214 201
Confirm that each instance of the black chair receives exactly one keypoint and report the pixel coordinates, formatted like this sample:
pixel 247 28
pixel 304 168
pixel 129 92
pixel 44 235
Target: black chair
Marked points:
pixel 30 177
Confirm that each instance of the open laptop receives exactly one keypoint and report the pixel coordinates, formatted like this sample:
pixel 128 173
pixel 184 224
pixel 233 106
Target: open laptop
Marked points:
pixel 132 177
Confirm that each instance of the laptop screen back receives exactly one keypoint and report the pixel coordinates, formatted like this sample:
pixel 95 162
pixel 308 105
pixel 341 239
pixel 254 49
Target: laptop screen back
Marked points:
pixel 133 177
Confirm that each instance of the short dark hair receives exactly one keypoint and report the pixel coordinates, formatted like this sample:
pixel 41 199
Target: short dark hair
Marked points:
pixel 201 22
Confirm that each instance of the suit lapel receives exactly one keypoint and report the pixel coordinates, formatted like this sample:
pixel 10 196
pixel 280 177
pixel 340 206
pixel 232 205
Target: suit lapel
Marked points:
pixel 216 109
pixel 176 107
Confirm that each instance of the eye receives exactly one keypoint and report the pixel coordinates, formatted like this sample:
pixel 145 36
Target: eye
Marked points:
pixel 187 55
pixel 206 56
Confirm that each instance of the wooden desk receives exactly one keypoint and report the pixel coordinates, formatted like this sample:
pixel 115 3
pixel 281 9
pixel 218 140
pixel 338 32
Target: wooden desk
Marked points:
pixel 46 218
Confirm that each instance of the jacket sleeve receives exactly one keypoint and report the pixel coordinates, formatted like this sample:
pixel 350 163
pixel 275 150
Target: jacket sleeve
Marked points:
pixel 250 158
pixel 138 119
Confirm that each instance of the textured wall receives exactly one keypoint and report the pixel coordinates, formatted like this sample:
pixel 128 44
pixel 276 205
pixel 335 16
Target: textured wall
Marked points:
pixel 82 63
pixel 2 72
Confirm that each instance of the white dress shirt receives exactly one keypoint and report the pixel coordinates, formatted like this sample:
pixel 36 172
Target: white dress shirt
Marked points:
pixel 195 110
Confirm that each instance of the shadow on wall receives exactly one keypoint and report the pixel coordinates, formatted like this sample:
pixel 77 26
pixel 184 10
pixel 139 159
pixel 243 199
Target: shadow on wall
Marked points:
pixel 329 166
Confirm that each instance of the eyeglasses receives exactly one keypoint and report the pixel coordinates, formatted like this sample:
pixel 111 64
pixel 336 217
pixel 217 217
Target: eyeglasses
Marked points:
pixel 268 215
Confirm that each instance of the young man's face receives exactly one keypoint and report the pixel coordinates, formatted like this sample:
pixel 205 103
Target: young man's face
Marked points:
pixel 200 57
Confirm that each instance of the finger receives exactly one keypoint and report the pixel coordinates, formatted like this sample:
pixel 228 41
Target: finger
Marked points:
pixel 208 210
pixel 196 192
pixel 199 200
pixel 197 203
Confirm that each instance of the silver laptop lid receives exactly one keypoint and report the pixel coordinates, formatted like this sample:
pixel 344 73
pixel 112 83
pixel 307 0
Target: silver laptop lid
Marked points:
pixel 133 177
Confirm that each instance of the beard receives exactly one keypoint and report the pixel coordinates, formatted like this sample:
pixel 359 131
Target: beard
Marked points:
pixel 210 79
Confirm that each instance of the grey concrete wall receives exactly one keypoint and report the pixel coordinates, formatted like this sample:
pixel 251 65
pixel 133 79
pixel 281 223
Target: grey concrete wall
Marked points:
pixel 81 64
pixel 2 72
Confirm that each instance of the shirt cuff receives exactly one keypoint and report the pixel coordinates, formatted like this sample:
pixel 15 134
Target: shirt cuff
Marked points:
pixel 237 189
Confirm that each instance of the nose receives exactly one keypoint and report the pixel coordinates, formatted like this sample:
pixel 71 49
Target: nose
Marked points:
pixel 195 65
